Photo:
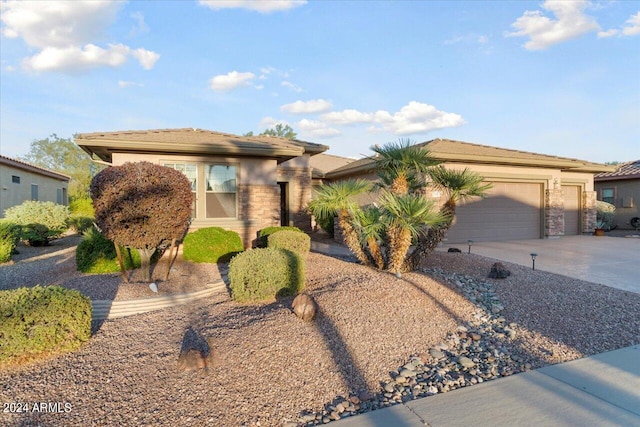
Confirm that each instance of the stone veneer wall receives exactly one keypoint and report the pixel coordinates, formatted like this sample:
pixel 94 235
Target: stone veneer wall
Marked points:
pixel 300 184
pixel 259 205
pixel 588 211
pixel 554 213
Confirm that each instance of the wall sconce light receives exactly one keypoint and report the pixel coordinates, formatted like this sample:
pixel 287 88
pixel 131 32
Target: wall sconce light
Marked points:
pixel 533 258
pixel 470 244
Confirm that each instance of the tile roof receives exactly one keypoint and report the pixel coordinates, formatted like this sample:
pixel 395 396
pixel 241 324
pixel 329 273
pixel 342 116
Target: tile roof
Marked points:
pixel 192 140
pixel 20 164
pixel 628 170
pixel 465 152
pixel 323 163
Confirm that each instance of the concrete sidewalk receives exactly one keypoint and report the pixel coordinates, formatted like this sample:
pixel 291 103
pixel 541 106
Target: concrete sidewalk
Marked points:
pixel 601 390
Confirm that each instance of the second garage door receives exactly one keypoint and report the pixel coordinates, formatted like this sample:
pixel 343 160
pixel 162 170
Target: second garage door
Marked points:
pixel 512 211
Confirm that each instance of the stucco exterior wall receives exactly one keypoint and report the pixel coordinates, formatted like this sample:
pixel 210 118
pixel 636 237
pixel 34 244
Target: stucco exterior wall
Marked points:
pixel 627 198
pixel 13 194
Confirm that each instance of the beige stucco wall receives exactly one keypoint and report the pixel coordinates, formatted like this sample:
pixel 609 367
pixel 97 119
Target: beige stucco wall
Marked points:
pixel 625 190
pixel 12 194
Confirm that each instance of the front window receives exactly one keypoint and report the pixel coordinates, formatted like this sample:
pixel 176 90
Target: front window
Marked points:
pixel 190 170
pixel 608 195
pixel 220 191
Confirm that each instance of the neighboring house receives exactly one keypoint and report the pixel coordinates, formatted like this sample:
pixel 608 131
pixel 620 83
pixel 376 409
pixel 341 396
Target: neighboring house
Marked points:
pixel 321 164
pixel 621 188
pixel 242 183
pixel 21 181
pixel 533 195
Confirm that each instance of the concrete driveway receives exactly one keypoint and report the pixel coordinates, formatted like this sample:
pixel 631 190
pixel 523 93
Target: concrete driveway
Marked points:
pixel 611 261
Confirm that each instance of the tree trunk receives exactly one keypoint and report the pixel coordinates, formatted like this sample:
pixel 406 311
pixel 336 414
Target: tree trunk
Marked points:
pixel 145 263
pixel 376 253
pixel 399 243
pixel 435 235
pixel 351 239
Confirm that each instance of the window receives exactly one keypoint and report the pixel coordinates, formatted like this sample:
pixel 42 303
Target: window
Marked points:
pixel 34 192
pixel 220 191
pixel 15 179
pixel 608 195
pixel 190 170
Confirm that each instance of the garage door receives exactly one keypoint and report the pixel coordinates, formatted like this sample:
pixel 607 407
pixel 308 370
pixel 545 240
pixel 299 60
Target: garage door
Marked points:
pixel 512 211
pixel 571 209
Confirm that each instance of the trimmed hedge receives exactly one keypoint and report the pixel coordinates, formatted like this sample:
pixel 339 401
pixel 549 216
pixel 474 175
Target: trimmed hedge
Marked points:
pixel 42 320
pixel 299 243
pixel 33 214
pixel 212 245
pixel 96 255
pixel 263 235
pixel 264 273
pixel 9 237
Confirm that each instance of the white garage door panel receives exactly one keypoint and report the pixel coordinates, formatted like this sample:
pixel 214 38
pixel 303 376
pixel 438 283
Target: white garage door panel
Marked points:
pixel 512 211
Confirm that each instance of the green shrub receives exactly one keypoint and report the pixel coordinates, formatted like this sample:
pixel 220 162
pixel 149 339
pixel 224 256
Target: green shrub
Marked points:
pixel 327 224
pixel 37 234
pixel 605 214
pixel 49 214
pixel 40 321
pixel 82 207
pixel 9 237
pixel 212 244
pixel 80 223
pixel 96 254
pixel 264 273
pixel 263 235
pixel 299 243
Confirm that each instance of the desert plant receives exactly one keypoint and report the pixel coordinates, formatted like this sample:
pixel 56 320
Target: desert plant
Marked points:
pixel 605 214
pixel 142 205
pixel 9 237
pixel 263 234
pixel 37 234
pixel 294 241
pixel 264 273
pixel 42 320
pixel 82 207
pixel 96 254
pixel 48 214
pixel 211 244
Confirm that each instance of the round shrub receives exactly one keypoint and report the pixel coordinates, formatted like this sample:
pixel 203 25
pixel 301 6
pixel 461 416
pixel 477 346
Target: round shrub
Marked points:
pixel 9 237
pixel 211 244
pixel 42 320
pixel 96 254
pixel 263 235
pixel 48 214
pixel 37 234
pixel 264 273
pixel 294 241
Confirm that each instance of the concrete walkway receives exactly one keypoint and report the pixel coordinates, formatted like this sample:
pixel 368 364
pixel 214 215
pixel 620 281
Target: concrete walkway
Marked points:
pixel 611 261
pixel 601 390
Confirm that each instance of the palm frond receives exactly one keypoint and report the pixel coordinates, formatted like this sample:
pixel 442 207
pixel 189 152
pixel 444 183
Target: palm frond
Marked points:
pixel 459 184
pixel 331 198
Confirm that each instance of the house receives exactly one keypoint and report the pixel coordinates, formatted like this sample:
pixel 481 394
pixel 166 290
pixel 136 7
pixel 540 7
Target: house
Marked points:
pixel 533 196
pixel 621 188
pixel 21 181
pixel 241 183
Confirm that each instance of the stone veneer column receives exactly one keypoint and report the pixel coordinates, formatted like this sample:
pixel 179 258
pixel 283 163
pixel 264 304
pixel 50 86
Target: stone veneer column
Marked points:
pixel 300 184
pixel 554 213
pixel 259 204
pixel 588 211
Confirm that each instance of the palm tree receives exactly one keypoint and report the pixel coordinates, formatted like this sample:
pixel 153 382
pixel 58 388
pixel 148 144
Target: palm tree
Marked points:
pixel 406 216
pixel 401 165
pixel 337 199
pixel 458 185
pixel 369 227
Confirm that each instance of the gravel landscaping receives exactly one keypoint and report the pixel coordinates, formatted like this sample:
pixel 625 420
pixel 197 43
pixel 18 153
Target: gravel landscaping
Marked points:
pixel 376 341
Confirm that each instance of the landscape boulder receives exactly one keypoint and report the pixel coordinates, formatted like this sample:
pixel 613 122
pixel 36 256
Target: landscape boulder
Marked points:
pixel 499 271
pixel 304 307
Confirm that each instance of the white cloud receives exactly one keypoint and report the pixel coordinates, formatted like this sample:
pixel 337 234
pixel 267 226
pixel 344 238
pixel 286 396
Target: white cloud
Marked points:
pixel 141 26
pixel 231 80
pixel 415 117
pixel 270 122
pixel 317 129
pixel 633 25
pixel 124 83
pixel 262 6
pixel 308 107
pixel 609 33
pixel 570 22
pixel 64 33
pixel 291 86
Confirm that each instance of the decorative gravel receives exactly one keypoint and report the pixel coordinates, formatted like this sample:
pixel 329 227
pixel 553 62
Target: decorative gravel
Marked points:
pixel 377 340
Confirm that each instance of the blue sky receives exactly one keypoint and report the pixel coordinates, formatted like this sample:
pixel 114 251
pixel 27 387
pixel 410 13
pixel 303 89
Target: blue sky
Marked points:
pixel 559 78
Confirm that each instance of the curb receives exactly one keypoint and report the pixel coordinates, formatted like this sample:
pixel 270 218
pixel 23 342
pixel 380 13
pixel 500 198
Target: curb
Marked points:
pixel 107 309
